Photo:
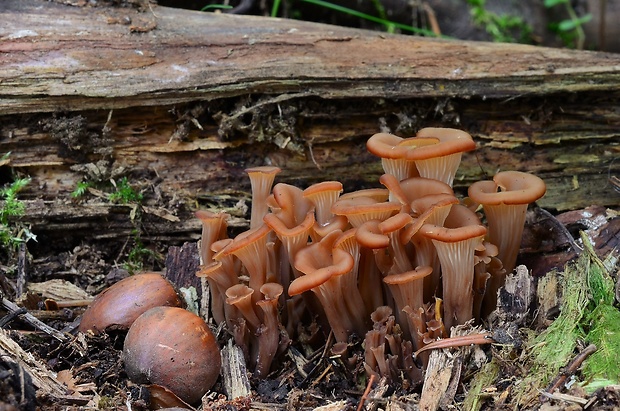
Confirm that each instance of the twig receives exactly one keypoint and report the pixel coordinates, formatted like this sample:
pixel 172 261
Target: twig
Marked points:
pixel 564 397
pixel 571 368
pixel 314 369
pixel 33 321
pixel 371 380
pixel 11 316
pixel 460 341
pixel 22 267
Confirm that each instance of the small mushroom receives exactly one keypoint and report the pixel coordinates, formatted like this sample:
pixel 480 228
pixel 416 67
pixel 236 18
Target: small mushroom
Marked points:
pixel 358 210
pixel 407 288
pixel 321 264
pixel 388 147
pixel 213 229
pixel 269 330
pixel 251 248
pixel 323 195
pixel 456 243
pixel 505 201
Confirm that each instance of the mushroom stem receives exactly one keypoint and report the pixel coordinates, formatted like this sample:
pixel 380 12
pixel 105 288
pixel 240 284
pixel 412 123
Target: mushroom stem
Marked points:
pixel 269 330
pixel 322 264
pixel 261 179
pixel 240 296
pixel 456 244
pixel 251 248
pixel 213 229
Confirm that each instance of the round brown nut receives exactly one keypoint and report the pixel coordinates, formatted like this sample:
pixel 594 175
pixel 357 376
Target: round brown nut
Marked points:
pixel 174 348
pixel 118 306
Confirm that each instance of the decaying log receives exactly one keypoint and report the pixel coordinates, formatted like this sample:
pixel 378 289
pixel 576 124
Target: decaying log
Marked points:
pixel 182 102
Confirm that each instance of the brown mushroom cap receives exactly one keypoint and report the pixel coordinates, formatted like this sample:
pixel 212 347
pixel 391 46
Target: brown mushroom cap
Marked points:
pixel 240 296
pixel 322 265
pixel 515 187
pixel 407 286
pixel 440 161
pixel 323 195
pixel 369 235
pixel 378 194
pixel 250 248
pixel 449 141
pixel 393 151
pixel 269 331
pixel 361 209
pixel 318 268
pixel 213 229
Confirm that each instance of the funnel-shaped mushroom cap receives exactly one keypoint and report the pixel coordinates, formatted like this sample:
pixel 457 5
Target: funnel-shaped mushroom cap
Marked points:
pixel 451 140
pixel 369 235
pixel 440 161
pixel 378 194
pixel 361 209
pixel 323 195
pixel 323 265
pixel 407 288
pixel 413 189
pixel 385 145
pixel 508 187
pixel 393 150
pixel 505 201
pixel 240 296
pixel 292 207
pixel 251 248
pixel 319 262
pixel 213 229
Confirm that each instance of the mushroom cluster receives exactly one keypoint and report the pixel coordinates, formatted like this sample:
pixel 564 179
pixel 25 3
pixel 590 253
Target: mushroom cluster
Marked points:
pixel 396 266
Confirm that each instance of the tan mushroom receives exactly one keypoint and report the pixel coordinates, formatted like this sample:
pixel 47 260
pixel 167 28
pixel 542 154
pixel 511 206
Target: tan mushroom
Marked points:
pixel 321 264
pixel 440 161
pixel 261 179
pixel 456 243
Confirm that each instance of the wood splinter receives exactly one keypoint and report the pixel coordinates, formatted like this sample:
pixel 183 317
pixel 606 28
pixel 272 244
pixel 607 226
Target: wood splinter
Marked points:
pixel 459 341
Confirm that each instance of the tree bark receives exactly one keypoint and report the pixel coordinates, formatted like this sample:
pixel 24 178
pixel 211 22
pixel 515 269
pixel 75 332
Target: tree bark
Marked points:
pixel 182 102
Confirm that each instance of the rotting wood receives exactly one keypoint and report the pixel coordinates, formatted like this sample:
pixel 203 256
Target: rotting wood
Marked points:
pixel 234 372
pixel 43 379
pixel 184 106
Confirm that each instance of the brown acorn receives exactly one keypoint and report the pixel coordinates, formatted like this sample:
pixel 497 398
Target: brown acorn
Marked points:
pixel 118 306
pixel 173 348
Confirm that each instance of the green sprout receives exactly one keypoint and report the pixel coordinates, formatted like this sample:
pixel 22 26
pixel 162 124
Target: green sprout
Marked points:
pixel 80 189
pixel 569 30
pixel 13 235
pixel 125 193
pixel 502 28
pixel 138 255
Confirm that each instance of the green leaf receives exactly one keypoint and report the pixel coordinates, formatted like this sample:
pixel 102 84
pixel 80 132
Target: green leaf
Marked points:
pixel 551 3
pixel 216 6
pixel 568 25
